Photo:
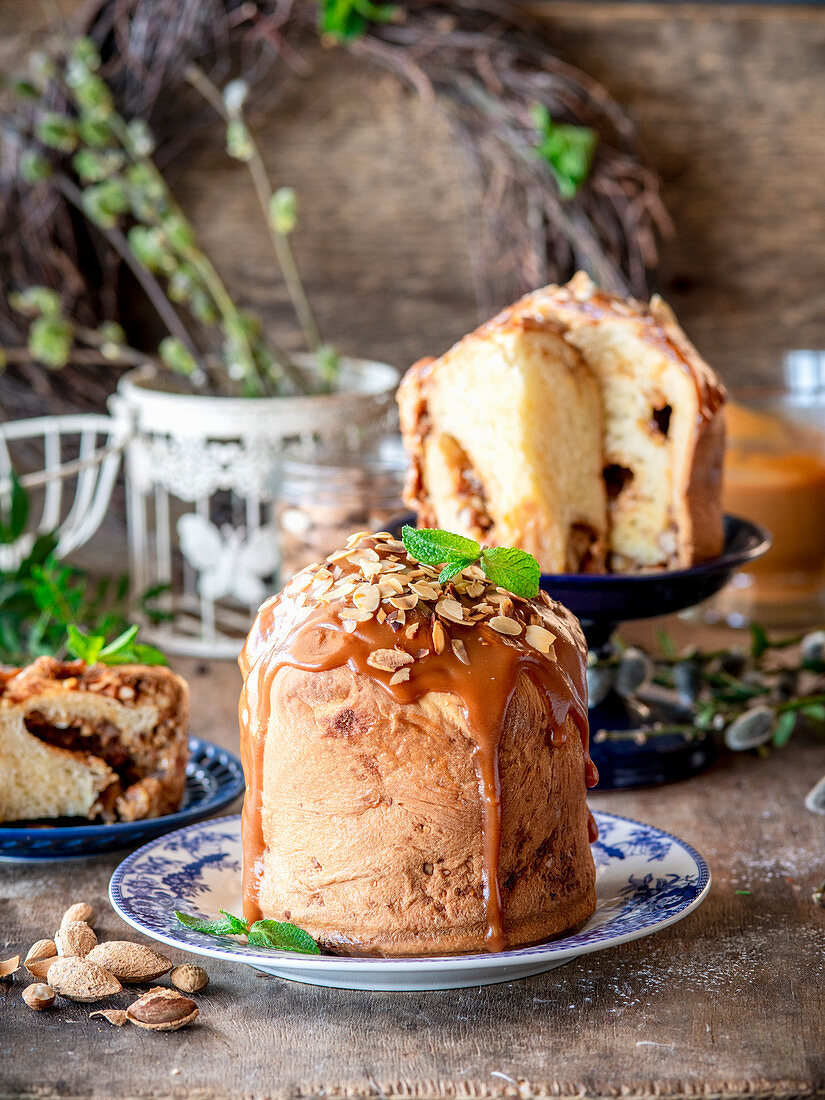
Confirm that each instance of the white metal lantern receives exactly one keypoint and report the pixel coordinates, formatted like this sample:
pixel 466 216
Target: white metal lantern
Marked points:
pixel 201 480
pixel 67 465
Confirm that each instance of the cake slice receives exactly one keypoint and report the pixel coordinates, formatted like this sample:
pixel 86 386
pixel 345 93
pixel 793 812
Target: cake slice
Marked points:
pixel 92 741
pixel 578 425
pixel 664 427
pixel 504 434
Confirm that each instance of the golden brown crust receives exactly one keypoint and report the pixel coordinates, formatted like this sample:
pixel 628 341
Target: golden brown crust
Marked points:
pixel 372 820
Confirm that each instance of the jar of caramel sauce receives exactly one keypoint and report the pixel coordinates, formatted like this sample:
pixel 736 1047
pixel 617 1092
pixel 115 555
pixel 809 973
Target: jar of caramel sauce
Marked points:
pixel 775 475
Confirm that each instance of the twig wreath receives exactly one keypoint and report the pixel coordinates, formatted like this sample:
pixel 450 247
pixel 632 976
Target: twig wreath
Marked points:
pixel 562 180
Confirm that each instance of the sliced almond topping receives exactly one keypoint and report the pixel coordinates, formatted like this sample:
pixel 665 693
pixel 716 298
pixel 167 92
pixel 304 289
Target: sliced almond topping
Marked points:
pixel 421 654
pixel 404 603
pixel 394 544
pixel 460 651
pixel 483 608
pixel 426 590
pixel 366 597
pixel 381 615
pixel 400 676
pixel 412 629
pixel 539 638
pixel 506 607
pixel 371 569
pixel 451 610
pixel 349 625
pixel 505 625
pixel 439 638
pixel 323 585
pixel 390 586
pixel 476 589
pixel 358 614
pixel 388 660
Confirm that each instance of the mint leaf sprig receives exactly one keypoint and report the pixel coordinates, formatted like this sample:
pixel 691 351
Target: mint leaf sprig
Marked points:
pixel 123 650
pixel 504 566
pixel 272 934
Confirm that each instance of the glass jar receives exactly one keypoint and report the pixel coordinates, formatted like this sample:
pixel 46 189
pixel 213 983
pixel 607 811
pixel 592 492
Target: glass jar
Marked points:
pixel 775 476
pixel 325 495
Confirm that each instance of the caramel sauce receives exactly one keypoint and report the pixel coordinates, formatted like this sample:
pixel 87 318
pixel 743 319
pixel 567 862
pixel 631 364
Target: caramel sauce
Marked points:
pixel 317 642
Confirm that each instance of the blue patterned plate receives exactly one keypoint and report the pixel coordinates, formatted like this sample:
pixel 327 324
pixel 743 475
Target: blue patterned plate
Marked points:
pixel 646 880
pixel 214 778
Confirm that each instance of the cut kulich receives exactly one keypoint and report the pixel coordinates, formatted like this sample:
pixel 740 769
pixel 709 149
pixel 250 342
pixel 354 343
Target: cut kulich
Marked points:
pixel 416 760
pixel 91 741
pixel 577 425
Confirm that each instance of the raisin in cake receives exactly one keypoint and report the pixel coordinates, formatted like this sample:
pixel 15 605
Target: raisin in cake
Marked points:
pixel 416 760
pixel 91 741
pixel 578 425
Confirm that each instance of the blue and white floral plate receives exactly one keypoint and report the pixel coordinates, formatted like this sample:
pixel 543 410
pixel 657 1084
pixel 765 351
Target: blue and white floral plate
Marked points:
pixel 646 880
pixel 214 778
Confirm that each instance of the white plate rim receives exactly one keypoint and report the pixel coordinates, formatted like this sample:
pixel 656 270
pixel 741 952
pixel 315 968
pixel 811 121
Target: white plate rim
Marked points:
pixel 494 960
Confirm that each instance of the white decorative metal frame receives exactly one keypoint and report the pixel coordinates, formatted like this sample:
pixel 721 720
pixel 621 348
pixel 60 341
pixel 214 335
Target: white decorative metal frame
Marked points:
pixel 201 480
pixel 76 459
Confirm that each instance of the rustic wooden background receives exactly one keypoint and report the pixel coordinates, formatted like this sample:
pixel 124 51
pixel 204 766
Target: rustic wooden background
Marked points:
pixel 730 102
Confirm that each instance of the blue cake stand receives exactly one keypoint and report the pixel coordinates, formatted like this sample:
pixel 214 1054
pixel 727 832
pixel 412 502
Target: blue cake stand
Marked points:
pixel 602 602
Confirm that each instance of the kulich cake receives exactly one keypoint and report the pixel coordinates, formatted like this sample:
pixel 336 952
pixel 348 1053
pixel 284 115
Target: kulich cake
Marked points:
pixel 507 447
pixel 416 759
pixel 92 741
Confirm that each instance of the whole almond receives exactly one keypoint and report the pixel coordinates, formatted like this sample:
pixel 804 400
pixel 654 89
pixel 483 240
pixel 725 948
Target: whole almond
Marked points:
pixel 162 1010
pixel 116 1016
pixel 81 910
pixel 75 939
pixel 39 968
pixel 38 996
pixel 42 949
pixel 130 962
pixel 8 966
pixel 189 978
pixel 81 980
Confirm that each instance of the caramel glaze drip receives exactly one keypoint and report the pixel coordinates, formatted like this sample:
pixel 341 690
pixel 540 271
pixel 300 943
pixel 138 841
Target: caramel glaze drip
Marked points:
pixel 313 638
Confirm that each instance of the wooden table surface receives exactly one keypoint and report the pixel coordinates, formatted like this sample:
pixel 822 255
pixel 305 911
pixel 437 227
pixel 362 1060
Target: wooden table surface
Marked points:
pixel 730 1002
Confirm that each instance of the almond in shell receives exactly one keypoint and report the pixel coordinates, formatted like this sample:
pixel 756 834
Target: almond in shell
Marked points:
pixel 75 939
pixel 82 980
pixel 130 962
pixel 81 910
pixel 42 949
pixel 189 978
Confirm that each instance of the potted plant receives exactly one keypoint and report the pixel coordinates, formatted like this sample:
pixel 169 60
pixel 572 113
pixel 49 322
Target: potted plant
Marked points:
pixel 212 411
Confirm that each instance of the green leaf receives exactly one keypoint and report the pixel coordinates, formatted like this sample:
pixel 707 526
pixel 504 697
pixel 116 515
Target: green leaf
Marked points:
pixel 282 937
pixel 432 546
pixel 122 651
pixel 84 52
pixel 86 647
pixel 759 640
pixel 784 729
pixel 91 93
pixel 450 571
pixel 227 925
pixel 57 131
pixel 567 150
pixel 515 570
pixel 36 300
pixel 104 203
pixel 176 357
pixel 50 341
pixel 14 511
pixel 95 132
pixel 34 168
pixel 346 20
pixel 239 140
pixel 667 646
pixel 283 210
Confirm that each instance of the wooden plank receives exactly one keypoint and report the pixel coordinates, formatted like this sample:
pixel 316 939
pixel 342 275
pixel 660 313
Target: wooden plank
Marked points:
pixel 729 1003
